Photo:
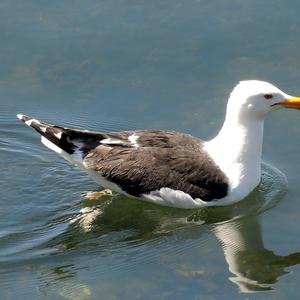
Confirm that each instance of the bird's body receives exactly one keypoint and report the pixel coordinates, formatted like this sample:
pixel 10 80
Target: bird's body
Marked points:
pixel 176 169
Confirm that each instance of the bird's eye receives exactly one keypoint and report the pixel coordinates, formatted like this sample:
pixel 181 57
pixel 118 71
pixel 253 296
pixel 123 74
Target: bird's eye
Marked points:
pixel 268 96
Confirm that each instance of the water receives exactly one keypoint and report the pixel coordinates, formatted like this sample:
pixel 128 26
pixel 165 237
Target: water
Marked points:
pixel 119 65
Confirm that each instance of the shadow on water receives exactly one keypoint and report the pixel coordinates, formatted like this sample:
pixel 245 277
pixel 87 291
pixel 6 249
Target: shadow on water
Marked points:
pixel 119 223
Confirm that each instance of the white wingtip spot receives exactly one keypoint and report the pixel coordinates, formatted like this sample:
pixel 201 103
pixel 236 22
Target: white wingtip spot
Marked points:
pixel 29 122
pixel 58 135
pixel 20 116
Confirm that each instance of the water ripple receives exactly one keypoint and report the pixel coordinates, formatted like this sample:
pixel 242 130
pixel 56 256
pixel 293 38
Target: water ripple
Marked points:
pixel 54 223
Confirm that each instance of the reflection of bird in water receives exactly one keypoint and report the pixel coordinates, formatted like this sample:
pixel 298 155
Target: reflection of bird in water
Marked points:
pixel 255 268
pixel 133 224
pixel 175 169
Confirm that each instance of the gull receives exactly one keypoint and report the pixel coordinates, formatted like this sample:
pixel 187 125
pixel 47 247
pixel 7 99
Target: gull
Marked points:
pixel 175 169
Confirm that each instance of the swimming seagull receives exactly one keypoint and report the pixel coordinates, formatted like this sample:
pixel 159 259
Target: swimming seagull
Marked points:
pixel 176 169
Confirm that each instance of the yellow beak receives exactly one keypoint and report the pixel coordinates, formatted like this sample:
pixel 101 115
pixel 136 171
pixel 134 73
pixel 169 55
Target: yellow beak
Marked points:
pixel 293 102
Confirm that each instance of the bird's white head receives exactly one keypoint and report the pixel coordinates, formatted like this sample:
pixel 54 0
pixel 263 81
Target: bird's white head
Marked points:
pixel 254 99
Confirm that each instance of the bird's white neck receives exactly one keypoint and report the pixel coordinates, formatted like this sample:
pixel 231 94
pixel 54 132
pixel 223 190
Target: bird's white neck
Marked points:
pixel 237 152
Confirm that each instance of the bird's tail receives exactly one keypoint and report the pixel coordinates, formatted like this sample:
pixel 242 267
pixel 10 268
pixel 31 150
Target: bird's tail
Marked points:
pixel 71 144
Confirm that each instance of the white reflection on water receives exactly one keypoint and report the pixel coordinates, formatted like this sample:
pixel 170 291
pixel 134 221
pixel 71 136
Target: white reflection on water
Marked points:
pixel 253 267
pixel 87 216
